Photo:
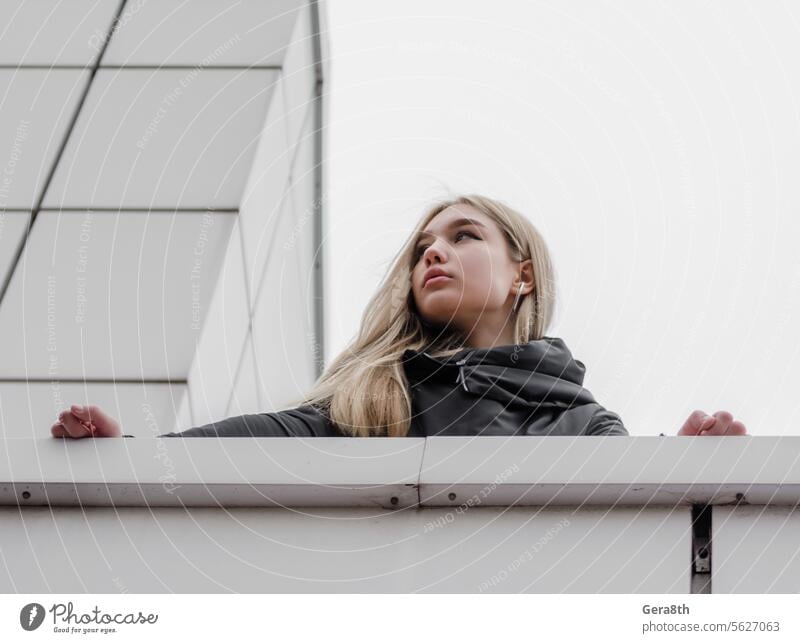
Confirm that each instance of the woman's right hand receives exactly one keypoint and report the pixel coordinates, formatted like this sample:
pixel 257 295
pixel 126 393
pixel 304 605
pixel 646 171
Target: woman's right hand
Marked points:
pixel 85 421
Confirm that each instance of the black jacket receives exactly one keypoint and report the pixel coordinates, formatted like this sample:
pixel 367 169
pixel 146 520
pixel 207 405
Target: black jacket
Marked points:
pixel 526 389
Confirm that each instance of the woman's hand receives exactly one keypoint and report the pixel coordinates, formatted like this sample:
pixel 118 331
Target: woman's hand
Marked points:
pixel 721 423
pixel 85 421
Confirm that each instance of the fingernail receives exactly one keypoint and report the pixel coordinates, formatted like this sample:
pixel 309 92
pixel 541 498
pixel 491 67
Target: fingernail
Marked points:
pixel 77 408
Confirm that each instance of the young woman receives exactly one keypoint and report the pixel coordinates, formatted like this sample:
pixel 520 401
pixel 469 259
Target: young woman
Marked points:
pixel 452 343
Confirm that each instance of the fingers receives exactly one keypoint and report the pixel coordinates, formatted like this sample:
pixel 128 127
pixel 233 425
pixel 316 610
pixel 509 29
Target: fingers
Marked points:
pixel 690 426
pixel 734 427
pixel 70 427
pixel 724 419
pixel 696 422
pixel 58 430
pixel 737 428
pixel 80 421
pixel 91 414
pixel 721 423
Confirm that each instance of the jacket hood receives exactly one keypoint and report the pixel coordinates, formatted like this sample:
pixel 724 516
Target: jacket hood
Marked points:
pixel 540 372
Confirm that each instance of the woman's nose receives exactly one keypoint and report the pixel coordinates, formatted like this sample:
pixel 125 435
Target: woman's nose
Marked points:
pixel 434 250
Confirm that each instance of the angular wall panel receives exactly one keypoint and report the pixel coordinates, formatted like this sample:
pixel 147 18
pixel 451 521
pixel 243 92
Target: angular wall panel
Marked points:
pixel 36 107
pixel 219 349
pixel 306 209
pixel 12 229
pixel 158 171
pixel 103 294
pixel 263 196
pixel 205 32
pixel 183 419
pixel 283 345
pixel 245 398
pixel 299 75
pixel 54 32
pixel 164 138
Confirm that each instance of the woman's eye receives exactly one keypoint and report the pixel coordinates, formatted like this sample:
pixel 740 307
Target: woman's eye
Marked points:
pixel 466 232
pixel 421 249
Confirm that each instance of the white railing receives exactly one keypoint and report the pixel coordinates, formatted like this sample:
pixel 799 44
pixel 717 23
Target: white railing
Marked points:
pixel 490 514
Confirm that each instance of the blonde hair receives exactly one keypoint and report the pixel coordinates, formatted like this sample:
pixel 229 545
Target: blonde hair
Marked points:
pixel 364 391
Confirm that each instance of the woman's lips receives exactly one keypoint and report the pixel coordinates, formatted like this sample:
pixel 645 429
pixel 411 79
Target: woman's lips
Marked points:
pixel 436 280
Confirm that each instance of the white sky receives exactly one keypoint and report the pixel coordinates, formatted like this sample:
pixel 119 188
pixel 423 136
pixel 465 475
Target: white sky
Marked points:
pixel 655 145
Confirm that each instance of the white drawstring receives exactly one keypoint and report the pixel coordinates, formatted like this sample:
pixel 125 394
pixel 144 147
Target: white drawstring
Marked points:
pixel 461 377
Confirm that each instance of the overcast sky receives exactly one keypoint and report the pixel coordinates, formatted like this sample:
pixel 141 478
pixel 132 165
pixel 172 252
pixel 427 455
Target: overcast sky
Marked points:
pixel 655 146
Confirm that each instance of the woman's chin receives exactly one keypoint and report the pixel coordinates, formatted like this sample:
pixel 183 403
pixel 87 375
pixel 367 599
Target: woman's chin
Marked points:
pixel 439 316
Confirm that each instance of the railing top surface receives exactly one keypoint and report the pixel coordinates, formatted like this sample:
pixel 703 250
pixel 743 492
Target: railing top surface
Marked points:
pixel 401 472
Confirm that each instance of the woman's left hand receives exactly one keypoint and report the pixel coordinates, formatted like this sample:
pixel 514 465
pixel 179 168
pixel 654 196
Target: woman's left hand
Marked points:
pixel 721 423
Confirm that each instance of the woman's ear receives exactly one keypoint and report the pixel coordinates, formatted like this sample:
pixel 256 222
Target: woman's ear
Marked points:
pixel 524 275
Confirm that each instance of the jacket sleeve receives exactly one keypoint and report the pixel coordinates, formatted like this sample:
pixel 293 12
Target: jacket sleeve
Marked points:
pixel 303 421
pixel 605 422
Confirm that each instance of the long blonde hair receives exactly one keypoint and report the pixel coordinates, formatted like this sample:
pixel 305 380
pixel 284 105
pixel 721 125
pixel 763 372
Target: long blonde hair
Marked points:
pixel 364 390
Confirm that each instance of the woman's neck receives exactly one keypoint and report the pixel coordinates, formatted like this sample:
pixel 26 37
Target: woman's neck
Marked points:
pixel 490 338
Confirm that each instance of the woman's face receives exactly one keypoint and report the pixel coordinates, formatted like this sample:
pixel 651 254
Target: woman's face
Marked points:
pixel 481 280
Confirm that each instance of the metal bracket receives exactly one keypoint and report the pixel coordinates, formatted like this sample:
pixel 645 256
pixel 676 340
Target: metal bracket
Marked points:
pixel 701 550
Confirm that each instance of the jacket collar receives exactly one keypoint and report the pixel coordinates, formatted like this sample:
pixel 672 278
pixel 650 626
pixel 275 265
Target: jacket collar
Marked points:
pixel 549 356
pixel 541 370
